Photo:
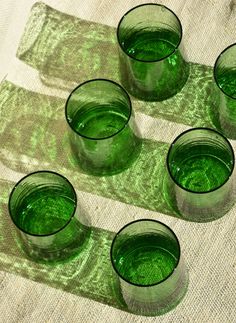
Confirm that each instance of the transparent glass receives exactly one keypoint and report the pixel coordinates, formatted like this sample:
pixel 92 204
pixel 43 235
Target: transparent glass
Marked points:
pixel 152 66
pixel 146 256
pixel 104 136
pixel 43 206
pixel 225 78
pixel 200 163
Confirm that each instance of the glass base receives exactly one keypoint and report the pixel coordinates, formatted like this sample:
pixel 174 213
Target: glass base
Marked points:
pixel 48 253
pixel 158 309
pixel 114 165
pixel 166 80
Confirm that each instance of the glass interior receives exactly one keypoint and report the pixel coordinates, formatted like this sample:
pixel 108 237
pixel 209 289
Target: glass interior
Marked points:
pixel 145 252
pixel 200 160
pixel 98 109
pixel 225 71
pixel 42 203
pixel 149 32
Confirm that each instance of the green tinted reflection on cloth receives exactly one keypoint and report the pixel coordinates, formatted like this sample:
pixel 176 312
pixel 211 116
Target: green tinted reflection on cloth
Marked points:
pixel 145 175
pixel 67 51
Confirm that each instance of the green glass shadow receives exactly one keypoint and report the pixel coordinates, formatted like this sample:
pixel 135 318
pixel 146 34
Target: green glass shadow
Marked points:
pixel 70 53
pixel 41 145
pixel 62 53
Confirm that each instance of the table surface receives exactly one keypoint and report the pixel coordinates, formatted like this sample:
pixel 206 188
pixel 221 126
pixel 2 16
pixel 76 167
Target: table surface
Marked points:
pixel 209 249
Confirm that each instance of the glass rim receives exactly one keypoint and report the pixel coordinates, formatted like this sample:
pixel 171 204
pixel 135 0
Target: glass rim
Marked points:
pixel 155 60
pixel 191 130
pixel 145 220
pixel 98 80
pixel 20 181
pixel 215 67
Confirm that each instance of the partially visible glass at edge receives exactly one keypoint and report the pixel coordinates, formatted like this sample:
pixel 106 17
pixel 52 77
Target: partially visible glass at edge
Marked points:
pixel 225 79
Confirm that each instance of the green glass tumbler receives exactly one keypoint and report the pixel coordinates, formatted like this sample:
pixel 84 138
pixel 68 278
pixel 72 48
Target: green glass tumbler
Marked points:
pixel 200 164
pixel 225 78
pixel 103 134
pixel 152 66
pixel 43 206
pixel 146 256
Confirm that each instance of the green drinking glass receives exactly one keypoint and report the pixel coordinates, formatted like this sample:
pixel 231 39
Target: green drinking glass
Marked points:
pixel 225 78
pixel 146 256
pixel 43 206
pixel 152 66
pixel 200 163
pixel 103 134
